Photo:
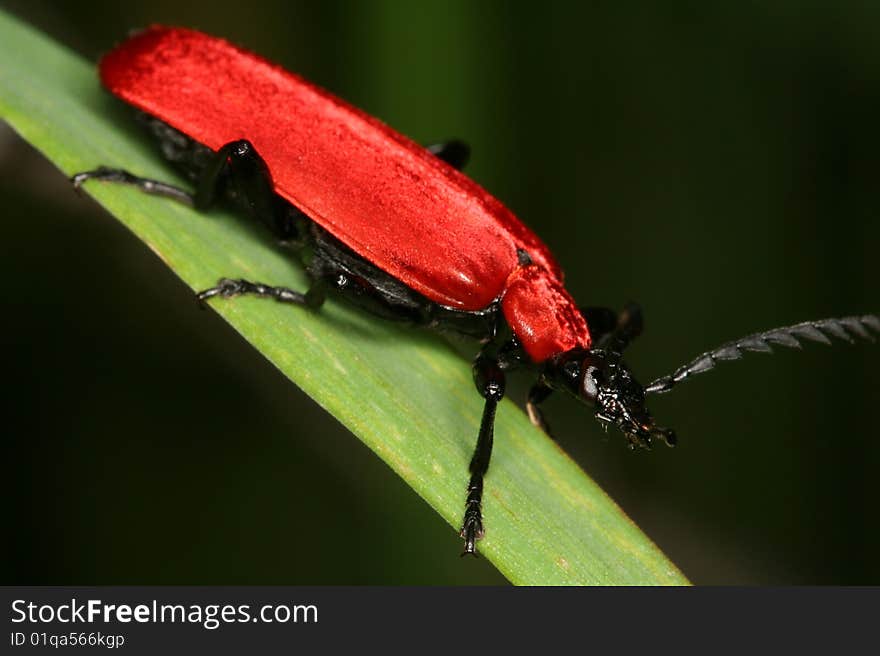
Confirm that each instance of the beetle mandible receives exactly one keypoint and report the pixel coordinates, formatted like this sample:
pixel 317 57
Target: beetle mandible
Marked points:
pixel 395 228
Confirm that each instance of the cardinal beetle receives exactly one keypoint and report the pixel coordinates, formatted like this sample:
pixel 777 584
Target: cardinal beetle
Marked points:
pixel 395 228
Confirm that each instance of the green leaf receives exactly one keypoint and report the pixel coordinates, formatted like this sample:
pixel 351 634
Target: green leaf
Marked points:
pixel 406 393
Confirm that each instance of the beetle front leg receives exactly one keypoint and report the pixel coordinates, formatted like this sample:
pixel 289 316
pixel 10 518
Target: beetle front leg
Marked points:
pixel 614 330
pixel 454 152
pixel 490 381
pixel 629 324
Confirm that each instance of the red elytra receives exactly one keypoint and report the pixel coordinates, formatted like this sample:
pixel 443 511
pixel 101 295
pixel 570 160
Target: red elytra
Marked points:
pixel 381 194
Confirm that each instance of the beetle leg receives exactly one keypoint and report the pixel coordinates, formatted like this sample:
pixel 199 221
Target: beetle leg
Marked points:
pixel 490 382
pixel 209 180
pixel 629 324
pixel 612 330
pixel 245 173
pixel 600 320
pixel 237 168
pixel 227 288
pixel 153 187
pixel 454 152
pixel 537 395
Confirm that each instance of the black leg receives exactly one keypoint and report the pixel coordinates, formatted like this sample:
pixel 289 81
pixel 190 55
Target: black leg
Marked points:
pixel 209 183
pixel 629 325
pixel 537 395
pixel 601 321
pixel 454 152
pixel 490 382
pixel 612 330
pixel 227 288
pixel 148 186
pixel 236 168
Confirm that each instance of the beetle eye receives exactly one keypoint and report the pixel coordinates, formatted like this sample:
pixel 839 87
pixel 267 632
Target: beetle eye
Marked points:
pixel 589 385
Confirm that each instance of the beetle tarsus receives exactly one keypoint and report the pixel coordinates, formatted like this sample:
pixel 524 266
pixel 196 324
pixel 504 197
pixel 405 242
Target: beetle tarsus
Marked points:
pixel 472 527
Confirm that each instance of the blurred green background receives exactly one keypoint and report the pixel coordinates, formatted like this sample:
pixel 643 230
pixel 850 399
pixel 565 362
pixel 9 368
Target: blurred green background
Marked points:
pixel 716 162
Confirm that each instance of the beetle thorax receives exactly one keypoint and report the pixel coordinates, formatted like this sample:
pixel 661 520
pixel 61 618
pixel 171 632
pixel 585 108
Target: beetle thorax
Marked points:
pixel 542 315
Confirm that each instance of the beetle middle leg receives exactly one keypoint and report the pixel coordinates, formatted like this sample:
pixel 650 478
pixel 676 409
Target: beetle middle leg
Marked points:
pixel 228 288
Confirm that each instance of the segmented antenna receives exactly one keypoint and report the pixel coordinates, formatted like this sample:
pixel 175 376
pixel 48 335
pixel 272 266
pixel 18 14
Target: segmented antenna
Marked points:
pixel 817 331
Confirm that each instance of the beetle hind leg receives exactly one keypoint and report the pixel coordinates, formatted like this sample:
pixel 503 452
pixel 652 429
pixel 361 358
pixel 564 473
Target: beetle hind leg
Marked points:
pixel 146 185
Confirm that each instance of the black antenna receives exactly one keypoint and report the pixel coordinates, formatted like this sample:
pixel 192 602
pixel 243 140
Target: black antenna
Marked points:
pixel 817 331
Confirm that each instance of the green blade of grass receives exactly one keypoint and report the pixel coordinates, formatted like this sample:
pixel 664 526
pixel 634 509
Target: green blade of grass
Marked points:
pixel 405 393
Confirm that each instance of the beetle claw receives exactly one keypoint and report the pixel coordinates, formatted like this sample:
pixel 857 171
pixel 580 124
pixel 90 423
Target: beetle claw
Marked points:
pixel 471 531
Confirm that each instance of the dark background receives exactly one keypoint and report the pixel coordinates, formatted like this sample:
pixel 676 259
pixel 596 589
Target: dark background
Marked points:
pixel 717 163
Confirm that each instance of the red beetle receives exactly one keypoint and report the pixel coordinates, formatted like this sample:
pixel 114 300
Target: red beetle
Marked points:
pixel 395 228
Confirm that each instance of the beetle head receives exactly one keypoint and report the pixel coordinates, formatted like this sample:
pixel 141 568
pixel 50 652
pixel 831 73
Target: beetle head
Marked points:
pixel 602 380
